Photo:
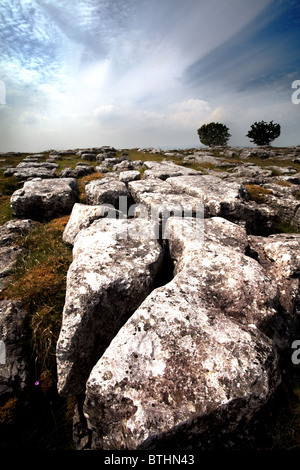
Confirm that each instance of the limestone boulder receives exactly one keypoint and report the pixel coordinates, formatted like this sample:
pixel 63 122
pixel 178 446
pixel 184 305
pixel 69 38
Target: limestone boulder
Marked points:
pixel 106 191
pixel 10 252
pixel 26 171
pixel 9 256
pixel 158 200
pixel 217 195
pixel 125 165
pixel 279 254
pixel 43 199
pixel 89 156
pixel 79 171
pixel 127 176
pixel 228 198
pixel 12 229
pixel 252 171
pixel 282 199
pixel 82 216
pixel 114 266
pixel 14 370
pixel 166 170
pixel 194 360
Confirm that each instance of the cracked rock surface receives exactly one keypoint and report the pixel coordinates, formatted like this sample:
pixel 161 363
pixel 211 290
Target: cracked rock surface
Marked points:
pixel 195 348
pixel 109 277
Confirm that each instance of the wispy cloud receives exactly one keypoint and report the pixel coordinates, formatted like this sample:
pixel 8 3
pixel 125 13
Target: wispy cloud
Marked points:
pixel 124 73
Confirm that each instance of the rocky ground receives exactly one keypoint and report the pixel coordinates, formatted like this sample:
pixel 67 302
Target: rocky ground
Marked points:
pixel 180 302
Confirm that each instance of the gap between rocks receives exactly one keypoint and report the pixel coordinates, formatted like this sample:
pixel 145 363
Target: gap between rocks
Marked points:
pixel 81 433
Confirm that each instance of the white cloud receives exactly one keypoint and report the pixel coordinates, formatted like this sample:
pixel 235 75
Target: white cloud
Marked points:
pixel 115 72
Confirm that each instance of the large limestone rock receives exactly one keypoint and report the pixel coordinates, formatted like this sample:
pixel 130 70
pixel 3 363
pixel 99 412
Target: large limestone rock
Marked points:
pixel 29 170
pixel 194 360
pixel 114 268
pixel 203 194
pixel 280 256
pixel 282 200
pixel 82 216
pixel 9 256
pixel 166 170
pixel 228 199
pixel 217 195
pixel 12 229
pixel 105 191
pixel 81 169
pixel 14 370
pixel 41 199
pixel 127 176
pixel 158 200
pixel 9 250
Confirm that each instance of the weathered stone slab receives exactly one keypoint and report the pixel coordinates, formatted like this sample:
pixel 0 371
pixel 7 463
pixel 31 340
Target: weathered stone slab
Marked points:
pixel 280 256
pixel 216 194
pixel 9 251
pixel 41 199
pixel 78 172
pixel 193 361
pixel 166 170
pixel 127 176
pixel 12 229
pixel 82 216
pixel 109 277
pixel 283 201
pixel 8 259
pixel 31 170
pixel 125 165
pixel 139 188
pixel 159 200
pixel 14 369
pixel 105 191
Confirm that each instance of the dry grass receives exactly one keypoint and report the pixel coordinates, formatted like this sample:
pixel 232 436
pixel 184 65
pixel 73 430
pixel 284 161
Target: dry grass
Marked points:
pixel 284 184
pixel 257 193
pixel 8 411
pixel 82 182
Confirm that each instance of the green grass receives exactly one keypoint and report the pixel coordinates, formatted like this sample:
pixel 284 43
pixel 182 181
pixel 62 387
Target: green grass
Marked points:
pixel 7 186
pixel 5 209
pixel 134 155
pixel 285 226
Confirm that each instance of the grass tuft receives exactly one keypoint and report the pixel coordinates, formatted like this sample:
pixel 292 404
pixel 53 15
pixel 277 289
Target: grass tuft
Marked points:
pixel 40 281
pixel 257 193
pixel 82 182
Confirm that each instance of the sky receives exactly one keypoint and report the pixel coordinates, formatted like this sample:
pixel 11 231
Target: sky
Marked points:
pixel 145 73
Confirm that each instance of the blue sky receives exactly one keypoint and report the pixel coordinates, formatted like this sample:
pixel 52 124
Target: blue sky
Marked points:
pixel 141 73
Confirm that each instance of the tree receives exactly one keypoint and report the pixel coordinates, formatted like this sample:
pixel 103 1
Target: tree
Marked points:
pixel 214 134
pixel 262 133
